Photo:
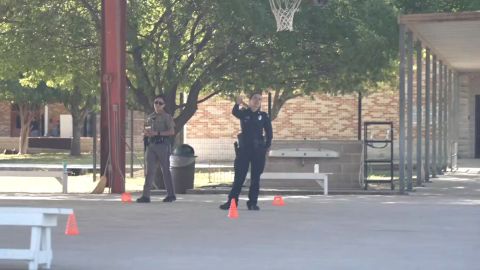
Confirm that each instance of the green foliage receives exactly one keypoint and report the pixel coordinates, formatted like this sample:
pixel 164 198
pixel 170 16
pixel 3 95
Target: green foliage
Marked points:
pixel 51 41
pixel 54 42
pixel 21 92
pixel 430 6
pixel 204 48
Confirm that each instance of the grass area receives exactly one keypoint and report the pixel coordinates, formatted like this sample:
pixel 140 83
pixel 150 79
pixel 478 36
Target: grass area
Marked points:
pixel 201 178
pixel 135 183
pixel 58 158
pixel 47 158
pixel 84 183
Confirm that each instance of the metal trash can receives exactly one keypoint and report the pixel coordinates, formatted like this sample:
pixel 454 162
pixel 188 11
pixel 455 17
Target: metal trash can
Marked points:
pixel 182 167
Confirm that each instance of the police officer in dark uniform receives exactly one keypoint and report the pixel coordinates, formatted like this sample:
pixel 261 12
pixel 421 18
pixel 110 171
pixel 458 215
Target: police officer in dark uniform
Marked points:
pixel 252 148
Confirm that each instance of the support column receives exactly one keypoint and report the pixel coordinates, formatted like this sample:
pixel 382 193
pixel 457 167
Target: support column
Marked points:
pixel 359 121
pixel 427 116
pixel 419 114
pixel 456 117
pixel 434 116
pixel 409 110
pixel 446 117
pixel 440 119
pixel 45 121
pixel 451 117
pixel 401 112
pixel 113 94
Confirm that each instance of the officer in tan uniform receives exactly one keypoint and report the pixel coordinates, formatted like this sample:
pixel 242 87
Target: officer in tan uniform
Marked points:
pixel 159 128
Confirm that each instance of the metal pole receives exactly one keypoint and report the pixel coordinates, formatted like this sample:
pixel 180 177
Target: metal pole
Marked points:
pixel 359 131
pixel 456 118
pixel 132 147
pixel 440 119
pixel 450 120
pixel 409 110
pixel 427 116
pixel 94 150
pixel 419 114
pixel 446 117
pixel 434 116
pixel 113 93
pixel 183 133
pixel 269 104
pixel 401 113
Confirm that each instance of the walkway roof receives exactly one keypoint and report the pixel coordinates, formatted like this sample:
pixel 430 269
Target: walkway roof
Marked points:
pixel 453 37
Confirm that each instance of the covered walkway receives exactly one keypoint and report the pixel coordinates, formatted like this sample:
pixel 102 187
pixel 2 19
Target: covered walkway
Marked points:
pixel 439 70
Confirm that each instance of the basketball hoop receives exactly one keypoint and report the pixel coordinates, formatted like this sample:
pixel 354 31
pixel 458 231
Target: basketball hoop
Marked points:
pixel 284 10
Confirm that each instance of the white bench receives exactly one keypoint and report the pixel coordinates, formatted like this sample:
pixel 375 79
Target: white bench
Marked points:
pixel 303 153
pixel 19 170
pixel 320 178
pixel 41 220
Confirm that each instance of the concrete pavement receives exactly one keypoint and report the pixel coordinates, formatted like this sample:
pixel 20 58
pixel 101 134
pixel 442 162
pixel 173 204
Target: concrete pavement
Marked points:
pixel 436 227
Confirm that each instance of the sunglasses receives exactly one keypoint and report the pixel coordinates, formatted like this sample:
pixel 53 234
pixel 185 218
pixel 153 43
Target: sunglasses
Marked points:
pixel 159 102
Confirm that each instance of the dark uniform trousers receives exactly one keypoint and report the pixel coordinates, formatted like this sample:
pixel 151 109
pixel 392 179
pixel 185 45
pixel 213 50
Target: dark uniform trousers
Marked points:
pixel 254 156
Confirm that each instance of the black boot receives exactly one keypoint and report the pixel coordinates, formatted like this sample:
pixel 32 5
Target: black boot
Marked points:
pixel 252 206
pixel 170 199
pixel 226 205
pixel 143 200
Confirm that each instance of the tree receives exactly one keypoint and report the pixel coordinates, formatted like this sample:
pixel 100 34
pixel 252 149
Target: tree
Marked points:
pixel 348 46
pixel 187 46
pixel 54 41
pixel 28 99
pixel 223 47
pixel 205 48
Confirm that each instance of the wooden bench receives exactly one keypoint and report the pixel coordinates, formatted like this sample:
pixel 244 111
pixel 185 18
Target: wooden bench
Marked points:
pixel 320 178
pixel 41 220
pixel 33 170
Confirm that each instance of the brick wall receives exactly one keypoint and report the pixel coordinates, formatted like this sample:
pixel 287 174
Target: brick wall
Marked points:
pixel 320 117
pixel 5 119
pixel 213 129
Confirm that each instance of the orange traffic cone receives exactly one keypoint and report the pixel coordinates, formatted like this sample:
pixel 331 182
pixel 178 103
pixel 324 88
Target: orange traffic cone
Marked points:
pixel 126 197
pixel 278 201
pixel 72 228
pixel 232 211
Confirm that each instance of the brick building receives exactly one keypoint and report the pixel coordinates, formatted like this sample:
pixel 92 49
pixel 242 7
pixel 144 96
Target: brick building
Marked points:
pixel 213 129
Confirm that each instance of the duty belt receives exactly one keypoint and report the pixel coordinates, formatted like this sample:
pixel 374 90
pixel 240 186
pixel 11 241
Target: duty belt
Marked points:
pixel 157 139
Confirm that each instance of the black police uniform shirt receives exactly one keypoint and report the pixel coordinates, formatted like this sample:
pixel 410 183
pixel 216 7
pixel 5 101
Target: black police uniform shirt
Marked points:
pixel 253 124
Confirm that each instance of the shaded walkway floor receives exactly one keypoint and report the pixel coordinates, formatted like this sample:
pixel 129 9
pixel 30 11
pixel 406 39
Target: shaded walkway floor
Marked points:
pixel 436 227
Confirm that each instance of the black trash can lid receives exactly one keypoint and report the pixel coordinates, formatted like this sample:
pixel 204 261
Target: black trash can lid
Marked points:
pixel 184 150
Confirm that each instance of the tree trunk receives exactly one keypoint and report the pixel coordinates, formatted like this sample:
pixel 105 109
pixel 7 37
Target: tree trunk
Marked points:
pixel 26 117
pixel 23 140
pixel 78 119
pixel 179 139
pixel 279 99
pixel 77 133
